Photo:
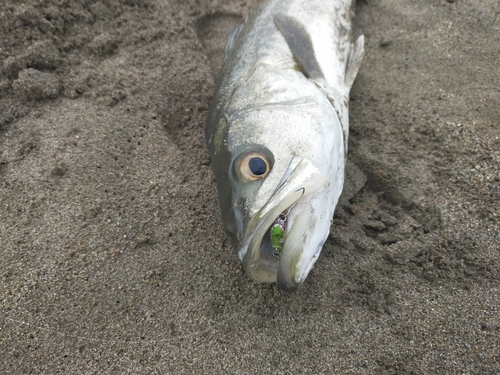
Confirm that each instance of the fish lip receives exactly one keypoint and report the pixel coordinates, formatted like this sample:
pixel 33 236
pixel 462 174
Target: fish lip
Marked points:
pixel 301 180
pixel 287 282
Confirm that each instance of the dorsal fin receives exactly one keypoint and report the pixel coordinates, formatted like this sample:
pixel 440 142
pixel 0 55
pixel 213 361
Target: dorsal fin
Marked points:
pixel 300 43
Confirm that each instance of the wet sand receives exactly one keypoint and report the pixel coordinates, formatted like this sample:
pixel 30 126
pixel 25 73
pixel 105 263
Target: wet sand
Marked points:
pixel 113 257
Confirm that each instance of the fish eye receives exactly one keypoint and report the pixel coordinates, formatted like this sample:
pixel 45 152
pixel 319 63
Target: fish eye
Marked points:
pixel 258 166
pixel 254 166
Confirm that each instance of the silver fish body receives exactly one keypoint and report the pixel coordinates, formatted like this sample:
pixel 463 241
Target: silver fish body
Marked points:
pixel 277 133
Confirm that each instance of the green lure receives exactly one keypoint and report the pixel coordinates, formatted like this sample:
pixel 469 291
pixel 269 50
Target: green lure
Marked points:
pixel 278 235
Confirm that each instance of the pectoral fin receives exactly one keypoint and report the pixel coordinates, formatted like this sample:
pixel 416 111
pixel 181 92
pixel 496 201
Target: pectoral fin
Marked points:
pixel 300 43
pixel 354 60
pixel 237 31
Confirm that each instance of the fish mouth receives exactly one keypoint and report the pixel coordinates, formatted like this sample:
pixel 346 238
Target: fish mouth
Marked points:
pixel 288 266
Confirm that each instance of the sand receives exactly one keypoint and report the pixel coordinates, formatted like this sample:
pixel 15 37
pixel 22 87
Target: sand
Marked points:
pixel 113 258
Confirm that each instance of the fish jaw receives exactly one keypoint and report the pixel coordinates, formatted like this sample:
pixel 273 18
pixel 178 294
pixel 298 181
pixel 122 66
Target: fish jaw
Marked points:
pixel 308 231
pixel 304 195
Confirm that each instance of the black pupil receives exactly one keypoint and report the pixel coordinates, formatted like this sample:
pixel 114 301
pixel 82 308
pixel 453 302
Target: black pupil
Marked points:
pixel 258 166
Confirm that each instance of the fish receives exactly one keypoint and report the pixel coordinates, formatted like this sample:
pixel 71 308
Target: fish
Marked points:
pixel 277 133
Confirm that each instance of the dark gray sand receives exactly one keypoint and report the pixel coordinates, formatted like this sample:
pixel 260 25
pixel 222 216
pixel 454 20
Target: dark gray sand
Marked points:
pixel 113 258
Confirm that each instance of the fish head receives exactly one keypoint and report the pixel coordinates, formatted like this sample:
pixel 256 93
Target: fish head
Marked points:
pixel 279 161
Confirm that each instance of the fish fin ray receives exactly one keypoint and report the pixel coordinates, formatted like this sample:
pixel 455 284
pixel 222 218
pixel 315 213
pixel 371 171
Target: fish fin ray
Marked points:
pixel 232 38
pixel 300 43
pixel 235 33
pixel 354 60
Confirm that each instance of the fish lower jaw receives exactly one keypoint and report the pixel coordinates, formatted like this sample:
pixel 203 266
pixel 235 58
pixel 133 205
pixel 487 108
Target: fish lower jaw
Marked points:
pixel 302 201
pixel 265 268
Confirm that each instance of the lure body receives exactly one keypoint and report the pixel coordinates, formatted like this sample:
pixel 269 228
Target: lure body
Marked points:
pixel 278 235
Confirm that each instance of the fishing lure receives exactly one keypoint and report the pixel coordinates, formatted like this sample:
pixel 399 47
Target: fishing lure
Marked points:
pixel 278 229
pixel 277 232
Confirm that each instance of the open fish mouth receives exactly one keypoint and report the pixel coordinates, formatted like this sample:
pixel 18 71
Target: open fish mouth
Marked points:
pixel 290 206
pixel 272 243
